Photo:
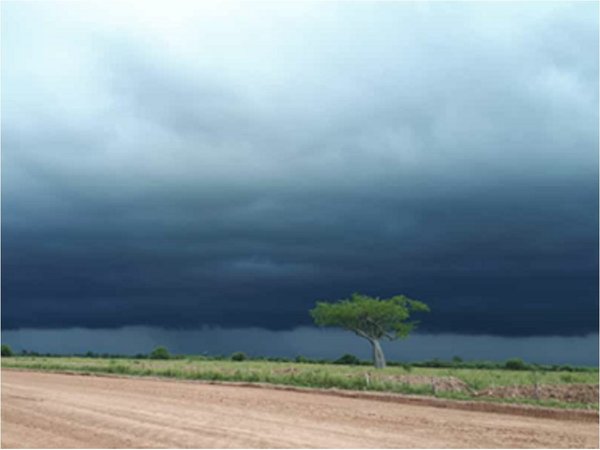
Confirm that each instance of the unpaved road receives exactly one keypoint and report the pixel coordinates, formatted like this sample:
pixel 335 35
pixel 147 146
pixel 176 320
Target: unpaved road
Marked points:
pixel 57 410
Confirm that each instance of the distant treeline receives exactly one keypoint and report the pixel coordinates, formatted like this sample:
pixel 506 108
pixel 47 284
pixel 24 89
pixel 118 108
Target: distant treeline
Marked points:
pixel 347 359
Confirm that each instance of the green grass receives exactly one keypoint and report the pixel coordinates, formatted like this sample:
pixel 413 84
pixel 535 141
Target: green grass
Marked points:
pixel 312 375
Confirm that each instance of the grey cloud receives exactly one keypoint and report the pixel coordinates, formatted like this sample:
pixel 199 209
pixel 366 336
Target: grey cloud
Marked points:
pixel 197 170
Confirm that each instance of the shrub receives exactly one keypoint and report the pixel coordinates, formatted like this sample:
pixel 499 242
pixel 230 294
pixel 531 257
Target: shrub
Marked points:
pixel 238 356
pixel 278 359
pixel 302 359
pixel 406 366
pixel 435 363
pixel 6 350
pixel 515 364
pixel 347 359
pixel 160 353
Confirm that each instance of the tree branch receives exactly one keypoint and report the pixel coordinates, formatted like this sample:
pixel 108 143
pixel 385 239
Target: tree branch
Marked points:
pixel 361 333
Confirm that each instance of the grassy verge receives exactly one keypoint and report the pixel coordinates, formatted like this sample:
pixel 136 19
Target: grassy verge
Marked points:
pixel 393 379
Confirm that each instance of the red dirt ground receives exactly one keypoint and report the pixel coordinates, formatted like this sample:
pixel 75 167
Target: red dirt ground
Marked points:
pixel 56 410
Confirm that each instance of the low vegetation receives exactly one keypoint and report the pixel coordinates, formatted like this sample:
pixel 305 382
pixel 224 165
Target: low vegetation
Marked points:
pixel 239 356
pixel 160 353
pixel 526 383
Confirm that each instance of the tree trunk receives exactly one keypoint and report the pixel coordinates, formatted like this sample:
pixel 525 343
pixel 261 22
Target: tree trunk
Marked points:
pixel 378 357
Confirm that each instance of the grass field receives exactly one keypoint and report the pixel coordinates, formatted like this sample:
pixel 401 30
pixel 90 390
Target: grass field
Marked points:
pixel 446 383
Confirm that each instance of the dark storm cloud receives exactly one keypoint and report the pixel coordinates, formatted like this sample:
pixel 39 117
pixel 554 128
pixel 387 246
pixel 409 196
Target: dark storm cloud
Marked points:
pixel 201 171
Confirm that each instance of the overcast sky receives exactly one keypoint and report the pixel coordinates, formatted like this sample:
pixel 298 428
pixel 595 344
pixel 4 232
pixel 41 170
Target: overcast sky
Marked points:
pixel 226 164
pixel 305 341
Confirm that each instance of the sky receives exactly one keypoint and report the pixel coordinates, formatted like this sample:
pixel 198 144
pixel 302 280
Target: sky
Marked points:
pixel 304 341
pixel 180 166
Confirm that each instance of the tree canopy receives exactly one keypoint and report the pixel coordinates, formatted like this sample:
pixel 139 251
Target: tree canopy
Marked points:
pixel 371 318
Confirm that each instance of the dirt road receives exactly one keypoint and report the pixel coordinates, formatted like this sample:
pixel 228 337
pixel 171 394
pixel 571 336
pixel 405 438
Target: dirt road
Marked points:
pixel 54 410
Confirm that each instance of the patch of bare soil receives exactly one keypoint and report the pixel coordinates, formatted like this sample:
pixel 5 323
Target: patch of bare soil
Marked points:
pixel 49 410
pixel 572 393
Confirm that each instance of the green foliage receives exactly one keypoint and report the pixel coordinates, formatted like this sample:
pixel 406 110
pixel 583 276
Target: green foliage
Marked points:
pixel 348 359
pixel 566 378
pixel 370 317
pixel 6 350
pixel 515 364
pixel 238 356
pixel 407 366
pixel 160 353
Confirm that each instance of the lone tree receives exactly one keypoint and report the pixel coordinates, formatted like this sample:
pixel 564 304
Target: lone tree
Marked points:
pixel 371 318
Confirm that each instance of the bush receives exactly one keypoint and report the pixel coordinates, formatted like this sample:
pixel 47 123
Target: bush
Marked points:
pixel 406 366
pixel 515 364
pixel 347 359
pixel 6 350
pixel 238 356
pixel 302 359
pixel 435 363
pixel 160 353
